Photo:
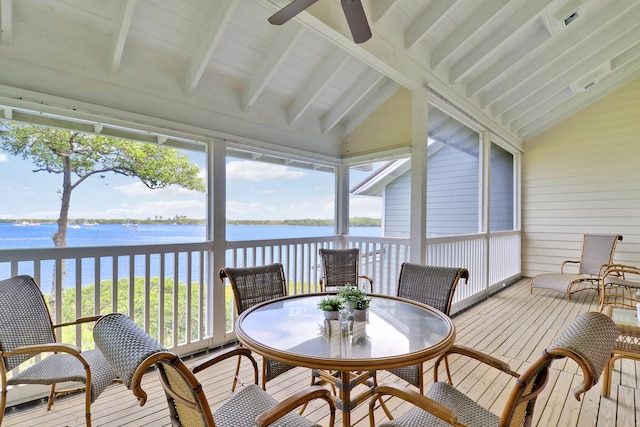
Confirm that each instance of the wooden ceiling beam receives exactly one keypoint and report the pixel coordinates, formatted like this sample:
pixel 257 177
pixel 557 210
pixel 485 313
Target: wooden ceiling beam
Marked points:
pixel 349 100
pixel 430 17
pixel 499 38
pixel 466 30
pixel 208 44
pixel 617 79
pixel 574 65
pixel 373 103
pixel 287 38
pixel 575 35
pixel 127 8
pixel 320 80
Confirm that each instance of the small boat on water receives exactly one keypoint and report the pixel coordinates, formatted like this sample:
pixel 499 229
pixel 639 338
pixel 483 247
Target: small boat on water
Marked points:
pixel 25 224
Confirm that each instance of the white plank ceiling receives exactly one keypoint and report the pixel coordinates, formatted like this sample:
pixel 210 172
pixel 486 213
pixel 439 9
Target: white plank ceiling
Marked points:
pixel 217 68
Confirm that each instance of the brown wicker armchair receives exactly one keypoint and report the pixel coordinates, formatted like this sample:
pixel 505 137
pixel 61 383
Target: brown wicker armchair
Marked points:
pixel 131 351
pixel 588 340
pixel 597 254
pixel 341 266
pixel 26 331
pixel 431 285
pixel 252 286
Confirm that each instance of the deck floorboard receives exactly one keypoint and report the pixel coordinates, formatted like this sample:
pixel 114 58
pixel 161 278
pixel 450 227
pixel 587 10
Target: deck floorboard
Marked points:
pixel 512 325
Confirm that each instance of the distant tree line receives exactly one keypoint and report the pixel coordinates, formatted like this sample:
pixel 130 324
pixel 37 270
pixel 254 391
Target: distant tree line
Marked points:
pixel 353 222
pixel 179 219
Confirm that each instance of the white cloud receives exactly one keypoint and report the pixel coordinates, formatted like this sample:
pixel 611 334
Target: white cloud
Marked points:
pixel 370 207
pixel 3 158
pixel 251 210
pixel 164 209
pixel 244 170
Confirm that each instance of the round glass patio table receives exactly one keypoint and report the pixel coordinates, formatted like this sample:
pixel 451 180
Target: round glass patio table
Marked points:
pixel 398 332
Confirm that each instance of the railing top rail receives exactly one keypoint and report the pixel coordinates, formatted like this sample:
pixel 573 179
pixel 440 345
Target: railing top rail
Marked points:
pixel 29 254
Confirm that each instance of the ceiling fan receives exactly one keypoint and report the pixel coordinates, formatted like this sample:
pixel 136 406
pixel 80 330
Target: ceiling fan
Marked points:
pixel 353 11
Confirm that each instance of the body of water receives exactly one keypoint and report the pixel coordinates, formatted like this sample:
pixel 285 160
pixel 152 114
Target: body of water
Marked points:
pixel 39 236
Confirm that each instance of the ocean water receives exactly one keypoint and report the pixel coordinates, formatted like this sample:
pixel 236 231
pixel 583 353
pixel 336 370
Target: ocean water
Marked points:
pixel 39 236
pixel 31 236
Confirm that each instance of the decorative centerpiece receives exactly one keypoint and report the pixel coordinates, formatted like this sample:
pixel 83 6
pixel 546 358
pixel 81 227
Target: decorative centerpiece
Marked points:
pixel 357 300
pixel 331 305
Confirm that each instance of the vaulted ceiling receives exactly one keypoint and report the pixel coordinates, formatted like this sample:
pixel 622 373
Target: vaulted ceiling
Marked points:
pixel 184 69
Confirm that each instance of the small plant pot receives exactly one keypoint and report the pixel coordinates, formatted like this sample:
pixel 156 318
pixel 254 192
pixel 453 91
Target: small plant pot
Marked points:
pixel 359 315
pixel 331 315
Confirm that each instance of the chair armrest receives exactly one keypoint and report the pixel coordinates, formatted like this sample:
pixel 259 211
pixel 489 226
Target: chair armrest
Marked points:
pixel 567 262
pixel 79 320
pixel 297 399
pixel 53 347
pixel 225 354
pixel 474 354
pixel 415 398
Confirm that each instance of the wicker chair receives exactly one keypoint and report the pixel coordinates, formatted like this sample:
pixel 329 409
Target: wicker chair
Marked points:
pixel 131 351
pixel 588 340
pixel 252 286
pixel 431 285
pixel 339 267
pixel 597 254
pixel 27 331
pixel 620 286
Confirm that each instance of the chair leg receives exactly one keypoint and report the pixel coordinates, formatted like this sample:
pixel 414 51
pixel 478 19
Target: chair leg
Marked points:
pixel 3 396
pixel 236 376
pixel 383 405
pixel 87 409
pixel 313 381
pixel 446 366
pixel 52 397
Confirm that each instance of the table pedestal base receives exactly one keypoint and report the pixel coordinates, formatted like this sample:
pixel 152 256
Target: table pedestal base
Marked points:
pixel 344 382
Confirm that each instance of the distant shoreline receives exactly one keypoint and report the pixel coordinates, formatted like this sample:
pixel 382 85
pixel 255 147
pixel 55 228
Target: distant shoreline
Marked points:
pixel 353 222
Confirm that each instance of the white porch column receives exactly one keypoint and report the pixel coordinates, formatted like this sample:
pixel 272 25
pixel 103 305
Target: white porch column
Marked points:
pixel 341 214
pixel 419 143
pixel 216 232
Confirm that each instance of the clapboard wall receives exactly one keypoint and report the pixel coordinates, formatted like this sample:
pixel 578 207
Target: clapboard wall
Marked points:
pixel 583 176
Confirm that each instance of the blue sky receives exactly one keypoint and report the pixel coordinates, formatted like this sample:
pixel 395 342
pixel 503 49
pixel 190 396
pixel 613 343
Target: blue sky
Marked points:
pixel 254 191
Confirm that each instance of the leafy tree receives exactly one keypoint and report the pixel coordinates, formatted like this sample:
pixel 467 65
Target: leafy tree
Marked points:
pixel 77 156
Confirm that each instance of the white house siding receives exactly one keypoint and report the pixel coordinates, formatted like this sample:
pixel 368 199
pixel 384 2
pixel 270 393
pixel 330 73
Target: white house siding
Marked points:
pixel 452 193
pixel 452 196
pixel 583 176
pixel 397 200
pixel 501 190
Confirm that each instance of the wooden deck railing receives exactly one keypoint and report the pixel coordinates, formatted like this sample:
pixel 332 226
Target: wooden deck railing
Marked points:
pixel 139 280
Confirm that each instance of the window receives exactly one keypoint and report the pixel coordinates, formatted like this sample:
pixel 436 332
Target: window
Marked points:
pixel 501 190
pixel 453 176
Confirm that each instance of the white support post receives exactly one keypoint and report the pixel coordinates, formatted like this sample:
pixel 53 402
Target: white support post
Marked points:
pixel 341 214
pixel 419 144
pixel 216 232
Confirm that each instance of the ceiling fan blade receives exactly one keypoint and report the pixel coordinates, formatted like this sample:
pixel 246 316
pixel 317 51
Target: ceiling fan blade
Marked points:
pixel 289 11
pixel 357 20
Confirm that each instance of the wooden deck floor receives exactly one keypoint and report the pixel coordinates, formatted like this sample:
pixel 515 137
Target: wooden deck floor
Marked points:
pixel 512 325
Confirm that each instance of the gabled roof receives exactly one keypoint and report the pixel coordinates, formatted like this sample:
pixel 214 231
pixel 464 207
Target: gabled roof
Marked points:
pixel 199 69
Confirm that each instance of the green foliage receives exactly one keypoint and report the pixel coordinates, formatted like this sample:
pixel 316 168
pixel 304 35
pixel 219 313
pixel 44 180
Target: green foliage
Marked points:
pixel 106 302
pixel 52 150
pixel 331 303
pixel 78 156
pixel 355 297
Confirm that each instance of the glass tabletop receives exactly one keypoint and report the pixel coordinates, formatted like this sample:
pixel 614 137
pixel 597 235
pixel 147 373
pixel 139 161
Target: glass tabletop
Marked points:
pixel 625 316
pixel 396 331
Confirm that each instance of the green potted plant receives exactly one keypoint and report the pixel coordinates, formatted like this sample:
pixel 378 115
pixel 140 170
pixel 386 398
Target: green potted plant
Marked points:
pixel 331 305
pixel 357 300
